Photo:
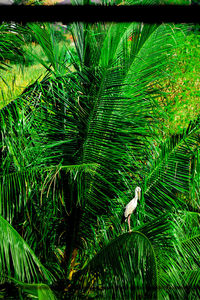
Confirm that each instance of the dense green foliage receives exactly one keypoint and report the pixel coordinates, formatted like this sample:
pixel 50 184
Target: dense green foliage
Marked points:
pixel 74 145
pixel 24 69
pixel 182 87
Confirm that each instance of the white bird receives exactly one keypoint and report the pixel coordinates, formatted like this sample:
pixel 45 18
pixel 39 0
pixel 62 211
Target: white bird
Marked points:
pixel 131 206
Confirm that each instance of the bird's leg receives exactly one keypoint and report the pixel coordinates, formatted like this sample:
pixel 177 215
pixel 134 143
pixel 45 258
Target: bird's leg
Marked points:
pixel 129 225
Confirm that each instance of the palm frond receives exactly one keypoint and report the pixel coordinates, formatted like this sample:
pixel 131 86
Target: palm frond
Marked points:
pixel 132 263
pixel 35 291
pixel 11 42
pixel 17 259
pixel 115 270
pixel 45 36
pixel 170 173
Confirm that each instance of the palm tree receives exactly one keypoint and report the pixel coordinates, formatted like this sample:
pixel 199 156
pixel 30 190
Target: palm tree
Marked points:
pixel 73 148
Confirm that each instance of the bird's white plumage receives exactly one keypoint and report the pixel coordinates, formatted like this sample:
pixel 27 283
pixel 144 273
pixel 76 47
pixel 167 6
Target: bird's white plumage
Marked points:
pixel 131 206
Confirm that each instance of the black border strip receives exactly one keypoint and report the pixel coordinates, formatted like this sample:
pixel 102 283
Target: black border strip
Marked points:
pixel 96 13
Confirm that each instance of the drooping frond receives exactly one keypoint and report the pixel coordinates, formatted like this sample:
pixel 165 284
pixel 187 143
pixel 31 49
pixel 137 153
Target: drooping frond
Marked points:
pixel 16 257
pixel 183 269
pixel 132 263
pixel 115 271
pixel 170 173
pixel 57 57
pixel 11 42
pixel 35 291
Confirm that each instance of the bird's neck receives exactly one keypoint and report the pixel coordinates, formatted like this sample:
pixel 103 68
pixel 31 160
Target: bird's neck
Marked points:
pixel 136 196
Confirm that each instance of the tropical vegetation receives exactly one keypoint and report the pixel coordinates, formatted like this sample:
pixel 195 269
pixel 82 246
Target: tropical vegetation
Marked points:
pixel 74 145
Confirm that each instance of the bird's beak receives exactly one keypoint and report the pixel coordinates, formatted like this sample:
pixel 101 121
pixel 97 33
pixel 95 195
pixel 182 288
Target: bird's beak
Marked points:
pixel 139 195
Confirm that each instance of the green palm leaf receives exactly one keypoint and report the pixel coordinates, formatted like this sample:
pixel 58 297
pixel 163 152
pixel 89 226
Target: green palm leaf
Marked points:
pixel 11 42
pixel 133 263
pixel 115 271
pixel 45 36
pixel 171 171
pixel 17 258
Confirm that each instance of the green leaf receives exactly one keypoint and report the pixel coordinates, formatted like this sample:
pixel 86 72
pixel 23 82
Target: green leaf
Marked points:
pixel 170 173
pixel 17 258
pixel 37 291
